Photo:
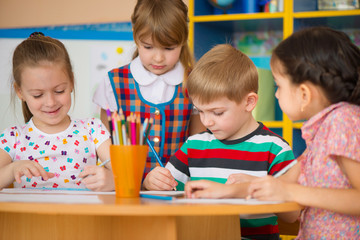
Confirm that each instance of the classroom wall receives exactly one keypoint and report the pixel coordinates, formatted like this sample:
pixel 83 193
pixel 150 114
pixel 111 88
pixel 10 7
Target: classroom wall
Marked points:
pixel 31 13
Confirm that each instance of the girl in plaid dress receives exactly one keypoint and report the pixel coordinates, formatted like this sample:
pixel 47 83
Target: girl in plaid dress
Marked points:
pixel 151 85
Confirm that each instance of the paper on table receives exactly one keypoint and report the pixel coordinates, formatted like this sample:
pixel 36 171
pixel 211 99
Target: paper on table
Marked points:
pixel 72 191
pixel 48 198
pixel 166 193
pixel 240 201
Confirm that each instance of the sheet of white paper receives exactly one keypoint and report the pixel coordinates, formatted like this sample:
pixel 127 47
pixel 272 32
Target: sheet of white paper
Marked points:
pixel 166 193
pixel 240 201
pixel 48 198
pixel 54 191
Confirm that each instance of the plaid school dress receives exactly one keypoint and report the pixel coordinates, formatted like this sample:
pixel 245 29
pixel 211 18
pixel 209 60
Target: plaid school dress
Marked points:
pixel 170 128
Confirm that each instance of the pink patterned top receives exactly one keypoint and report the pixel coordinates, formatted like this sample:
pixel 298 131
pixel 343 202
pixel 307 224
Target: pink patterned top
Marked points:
pixel 332 132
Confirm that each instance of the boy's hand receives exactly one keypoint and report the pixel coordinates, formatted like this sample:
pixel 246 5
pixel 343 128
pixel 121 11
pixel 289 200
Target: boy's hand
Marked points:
pixel 239 178
pixel 29 169
pixel 97 178
pixel 160 179
pixel 208 189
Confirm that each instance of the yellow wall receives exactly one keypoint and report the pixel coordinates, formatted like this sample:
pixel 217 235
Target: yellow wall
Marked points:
pixel 33 13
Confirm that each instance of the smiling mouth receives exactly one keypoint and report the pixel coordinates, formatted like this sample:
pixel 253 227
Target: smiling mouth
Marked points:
pixel 52 112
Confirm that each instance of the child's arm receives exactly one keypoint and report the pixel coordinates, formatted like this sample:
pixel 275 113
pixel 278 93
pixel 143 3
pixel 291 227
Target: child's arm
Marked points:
pixel 99 178
pixel 160 179
pixel 209 189
pixel 10 171
pixel 239 178
pixel 338 200
pixel 104 118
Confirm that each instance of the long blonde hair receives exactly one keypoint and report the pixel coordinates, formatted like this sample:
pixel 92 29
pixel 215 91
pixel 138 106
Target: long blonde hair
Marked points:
pixel 166 21
pixel 34 51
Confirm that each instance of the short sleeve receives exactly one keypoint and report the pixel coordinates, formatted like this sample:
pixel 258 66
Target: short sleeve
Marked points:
pixel 8 141
pixel 344 134
pixel 98 131
pixel 104 95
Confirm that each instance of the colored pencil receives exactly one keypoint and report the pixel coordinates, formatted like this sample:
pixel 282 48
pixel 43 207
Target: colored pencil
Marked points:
pixel 156 197
pixel 154 152
pixel 108 113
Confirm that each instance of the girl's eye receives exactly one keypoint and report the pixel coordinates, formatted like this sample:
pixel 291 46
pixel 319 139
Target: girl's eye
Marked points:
pixel 169 48
pixel 59 92
pixel 37 96
pixel 147 47
pixel 218 113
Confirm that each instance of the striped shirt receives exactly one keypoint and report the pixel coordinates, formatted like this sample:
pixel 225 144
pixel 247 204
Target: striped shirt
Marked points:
pixel 260 153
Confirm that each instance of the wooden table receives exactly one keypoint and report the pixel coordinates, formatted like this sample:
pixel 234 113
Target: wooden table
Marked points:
pixel 126 219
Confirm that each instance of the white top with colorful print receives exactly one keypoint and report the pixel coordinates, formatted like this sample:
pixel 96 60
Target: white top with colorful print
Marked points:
pixel 65 154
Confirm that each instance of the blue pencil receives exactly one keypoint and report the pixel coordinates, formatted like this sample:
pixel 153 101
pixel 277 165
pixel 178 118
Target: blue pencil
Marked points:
pixel 157 197
pixel 154 152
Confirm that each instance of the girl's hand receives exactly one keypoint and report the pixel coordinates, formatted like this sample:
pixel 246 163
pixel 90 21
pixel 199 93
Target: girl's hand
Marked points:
pixel 208 189
pixel 29 169
pixel 269 189
pixel 160 179
pixel 239 178
pixel 97 178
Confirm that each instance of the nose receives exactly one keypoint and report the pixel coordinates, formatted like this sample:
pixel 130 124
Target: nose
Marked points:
pixel 207 120
pixel 50 100
pixel 277 93
pixel 159 55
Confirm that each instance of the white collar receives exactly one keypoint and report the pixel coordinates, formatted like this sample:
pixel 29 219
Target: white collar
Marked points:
pixel 143 77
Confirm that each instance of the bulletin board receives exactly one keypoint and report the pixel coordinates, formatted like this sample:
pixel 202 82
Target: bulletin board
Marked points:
pixel 94 49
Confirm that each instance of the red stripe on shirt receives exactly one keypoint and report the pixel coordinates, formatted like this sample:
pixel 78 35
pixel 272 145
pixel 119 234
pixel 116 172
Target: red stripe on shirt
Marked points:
pixel 182 157
pixel 267 229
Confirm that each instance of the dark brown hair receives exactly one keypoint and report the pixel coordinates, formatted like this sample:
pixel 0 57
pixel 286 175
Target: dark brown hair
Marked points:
pixel 325 57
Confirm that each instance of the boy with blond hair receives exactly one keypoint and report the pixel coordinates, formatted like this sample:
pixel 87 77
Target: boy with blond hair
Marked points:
pixel 235 148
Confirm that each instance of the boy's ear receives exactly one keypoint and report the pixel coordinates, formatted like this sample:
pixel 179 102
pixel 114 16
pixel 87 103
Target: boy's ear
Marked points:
pixel 251 100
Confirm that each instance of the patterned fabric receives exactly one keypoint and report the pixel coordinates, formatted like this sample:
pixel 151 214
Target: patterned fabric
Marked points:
pixel 65 154
pixel 332 132
pixel 260 153
pixel 170 119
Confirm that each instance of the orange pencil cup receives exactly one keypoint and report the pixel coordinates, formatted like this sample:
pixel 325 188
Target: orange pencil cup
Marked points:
pixel 128 163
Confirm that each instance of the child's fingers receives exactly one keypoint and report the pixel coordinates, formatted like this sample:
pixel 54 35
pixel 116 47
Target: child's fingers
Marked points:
pixel 161 185
pixel 88 170
pixel 89 180
pixel 40 171
pixel 167 178
pixel 194 187
pixel 17 176
pixel 160 179
pixel 50 175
